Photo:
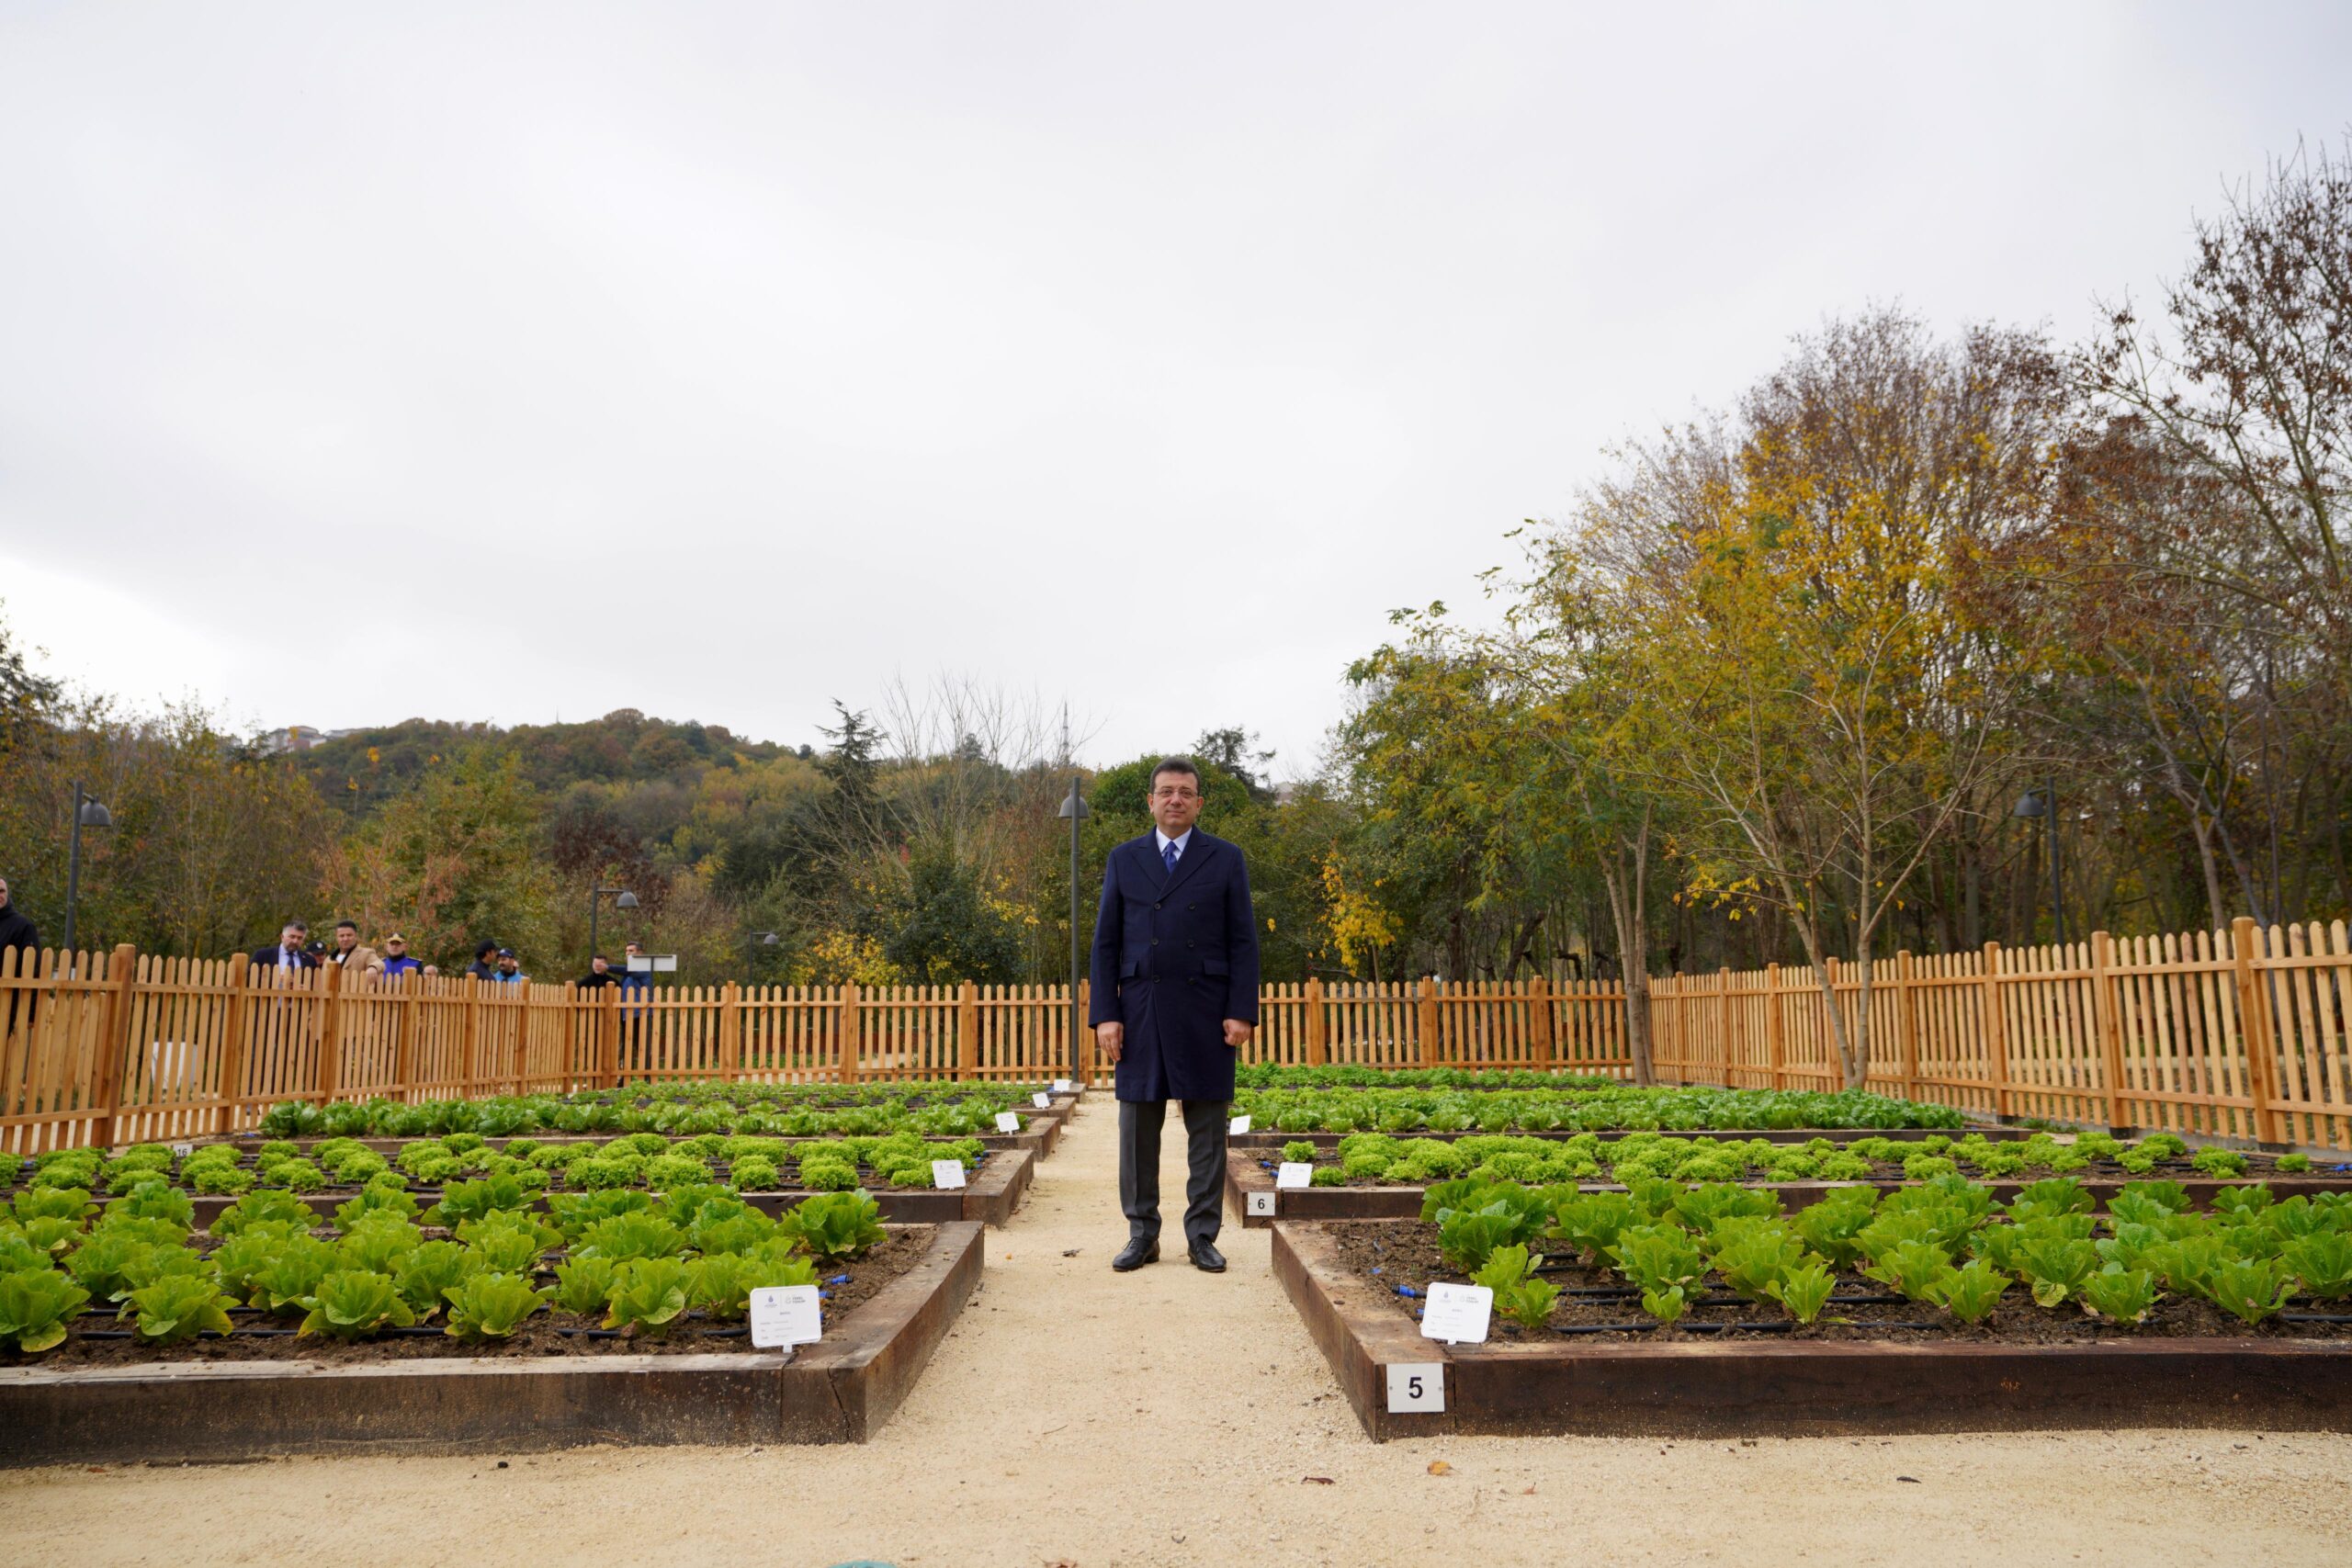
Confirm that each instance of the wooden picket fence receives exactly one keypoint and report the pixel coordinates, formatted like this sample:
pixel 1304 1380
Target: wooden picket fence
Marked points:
pixel 119 1047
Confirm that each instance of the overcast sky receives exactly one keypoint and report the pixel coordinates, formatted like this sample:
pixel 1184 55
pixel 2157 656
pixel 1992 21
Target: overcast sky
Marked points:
pixel 523 362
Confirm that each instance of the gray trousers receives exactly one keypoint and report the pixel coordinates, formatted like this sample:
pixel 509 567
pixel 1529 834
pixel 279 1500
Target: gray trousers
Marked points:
pixel 1139 1124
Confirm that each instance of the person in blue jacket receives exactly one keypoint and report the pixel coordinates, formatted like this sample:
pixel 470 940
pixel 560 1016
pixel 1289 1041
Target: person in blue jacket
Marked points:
pixel 1175 998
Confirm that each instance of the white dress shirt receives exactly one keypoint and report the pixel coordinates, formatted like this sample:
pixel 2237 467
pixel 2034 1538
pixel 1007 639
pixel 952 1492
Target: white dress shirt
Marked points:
pixel 1179 842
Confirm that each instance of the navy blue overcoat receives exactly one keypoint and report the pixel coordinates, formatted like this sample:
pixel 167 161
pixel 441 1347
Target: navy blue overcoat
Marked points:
pixel 1174 957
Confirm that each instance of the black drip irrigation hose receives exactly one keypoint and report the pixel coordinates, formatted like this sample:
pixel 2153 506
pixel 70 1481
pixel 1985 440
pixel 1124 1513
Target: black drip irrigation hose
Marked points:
pixel 1780 1326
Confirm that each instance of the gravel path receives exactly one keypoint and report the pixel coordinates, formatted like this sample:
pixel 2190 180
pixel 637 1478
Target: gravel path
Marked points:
pixel 1168 1416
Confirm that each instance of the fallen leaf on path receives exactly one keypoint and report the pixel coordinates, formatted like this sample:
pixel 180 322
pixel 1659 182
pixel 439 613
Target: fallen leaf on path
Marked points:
pixel 1912 1479
pixel 1438 1467
pixel 1317 1479
pixel 1070 1252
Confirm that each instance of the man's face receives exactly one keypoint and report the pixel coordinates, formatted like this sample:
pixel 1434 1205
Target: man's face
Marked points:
pixel 597 964
pixel 397 948
pixel 506 965
pixel 345 938
pixel 290 938
pixel 1175 803
pixel 3 895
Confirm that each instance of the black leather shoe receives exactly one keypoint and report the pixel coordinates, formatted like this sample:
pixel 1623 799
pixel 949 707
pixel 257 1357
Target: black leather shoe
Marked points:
pixel 1207 1257
pixel 1135 1254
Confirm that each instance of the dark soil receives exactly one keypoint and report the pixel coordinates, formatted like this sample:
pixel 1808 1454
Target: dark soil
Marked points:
pixel 1389 1253
pixel 550 1333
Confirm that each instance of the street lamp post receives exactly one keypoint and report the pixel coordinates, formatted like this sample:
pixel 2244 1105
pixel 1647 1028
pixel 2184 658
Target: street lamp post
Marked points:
pixel 752 945
pixel 1076 810
pixel 622 899
pixel 87 813
pixel 2043 803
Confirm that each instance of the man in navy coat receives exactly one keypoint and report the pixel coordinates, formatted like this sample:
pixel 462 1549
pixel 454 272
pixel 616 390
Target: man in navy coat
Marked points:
pixel 1175 998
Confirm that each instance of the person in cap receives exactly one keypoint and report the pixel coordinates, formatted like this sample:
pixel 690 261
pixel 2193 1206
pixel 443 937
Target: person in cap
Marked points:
pixel 397 961
pixel 510 968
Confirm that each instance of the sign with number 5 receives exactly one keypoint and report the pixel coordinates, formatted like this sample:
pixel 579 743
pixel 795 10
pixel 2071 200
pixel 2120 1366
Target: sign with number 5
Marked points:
pixel 1416 1388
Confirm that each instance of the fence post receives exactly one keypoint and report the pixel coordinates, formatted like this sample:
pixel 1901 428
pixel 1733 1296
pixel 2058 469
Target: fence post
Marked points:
pixel 1086 1063
pixel 848 1068
pixel 1997 1042
pixel 608 1038
pixel 1906 1022
pixel 1318 1028
pixel 232 1044
pixel 114 1037
pixel 404 1042
pixel 1425 1019
pixel 2110 1021
pixel 1775 1027
pixel 1539 1015
pixel 730 1032
pixel 968 1031
pixel 2254 1035
pixel 470 1057
pixel 1722 1024
pixel 330 1079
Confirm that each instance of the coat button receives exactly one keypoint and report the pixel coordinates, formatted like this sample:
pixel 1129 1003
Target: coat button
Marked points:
pixel 1155 942
pixel 1156 906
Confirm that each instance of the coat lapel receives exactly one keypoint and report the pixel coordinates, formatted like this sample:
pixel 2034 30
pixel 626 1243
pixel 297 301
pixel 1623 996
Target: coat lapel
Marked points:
pixel 1199 850
pixel 1154 870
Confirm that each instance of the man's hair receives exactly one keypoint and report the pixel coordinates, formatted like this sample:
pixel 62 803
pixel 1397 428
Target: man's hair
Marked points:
pixel 346 925
pixel 1176 765
pixel 294 926
pixel 483 949
pixel 636 944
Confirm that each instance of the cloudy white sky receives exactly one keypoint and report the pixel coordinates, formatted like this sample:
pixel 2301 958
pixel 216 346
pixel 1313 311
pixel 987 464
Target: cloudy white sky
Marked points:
pixel 515 362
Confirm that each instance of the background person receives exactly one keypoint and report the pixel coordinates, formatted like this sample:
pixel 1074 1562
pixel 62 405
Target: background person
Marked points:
pixel 349 954
pixel 484 967
pixel 287 955
pixel 510 968
pixel 18 932
pixel 1175 998
pixel 600 975
pixel 635 984
pixel 397 961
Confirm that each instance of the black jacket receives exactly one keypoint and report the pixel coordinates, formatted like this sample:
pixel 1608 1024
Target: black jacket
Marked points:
pixel 592 981
pixel 1174 957
pixel 16 930
pixel 266 958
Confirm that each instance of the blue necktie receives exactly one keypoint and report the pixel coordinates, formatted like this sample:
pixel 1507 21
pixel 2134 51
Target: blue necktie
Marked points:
pixel 1168 856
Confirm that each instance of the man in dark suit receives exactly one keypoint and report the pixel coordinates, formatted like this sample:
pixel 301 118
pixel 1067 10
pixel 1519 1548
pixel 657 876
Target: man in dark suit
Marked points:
pixel 1175 998
pixel 288 953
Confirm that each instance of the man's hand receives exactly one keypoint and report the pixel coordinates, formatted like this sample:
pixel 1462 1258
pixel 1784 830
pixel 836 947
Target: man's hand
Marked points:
pixel 1108 1038
pixel 1238 1033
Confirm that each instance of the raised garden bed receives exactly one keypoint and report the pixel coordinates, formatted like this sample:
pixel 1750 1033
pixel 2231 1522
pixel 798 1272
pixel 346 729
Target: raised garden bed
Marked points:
pixel 1373 1176
pixel 1732 1382
pixel 216 1408
pixel 1251 1197
pixel 1263 1138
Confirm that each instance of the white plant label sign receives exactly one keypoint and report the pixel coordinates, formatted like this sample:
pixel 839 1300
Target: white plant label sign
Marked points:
pixel 1261 1203
pixel 947 1173
pixel 181 1151
pixel 1042 1100
pixel 1294 1174
pixel 1006 1122
pixel 1416 1388
pixel 1457 1313
pixel 1061 1085
pixel 786 1315
pixel 1238 1126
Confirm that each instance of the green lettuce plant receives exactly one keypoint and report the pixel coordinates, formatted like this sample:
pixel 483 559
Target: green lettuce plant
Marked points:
pixel 1655 1257
pixel 2121 1295
pixel 295 1268
pixel 2251 1290
pixel 426 1275
pixel 583 1284
pixel 631 1235
pixel 492 1306
pixel 1520 1294
pixel 838 1226
pixel 2057 1268
pixel 1912 1268
pixel 1666 1303
pixel 2322 1260
pixel 36 1306
pixel 1804 1289
pixel 354 1303
pixel 178 1307
pixel 648 1294
pixel 1969 1292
